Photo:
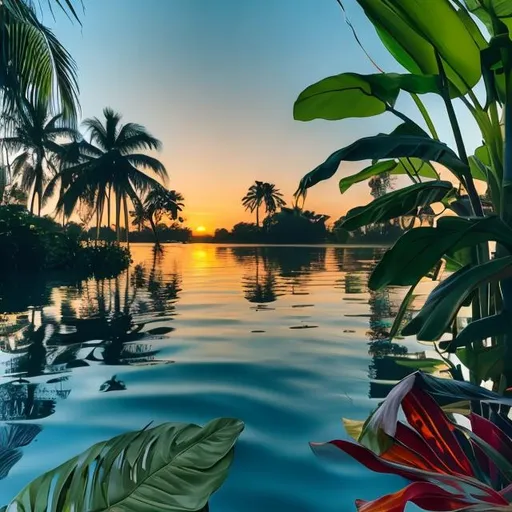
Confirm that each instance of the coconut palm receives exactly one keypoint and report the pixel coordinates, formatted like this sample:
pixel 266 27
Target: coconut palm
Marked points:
pixel 139 216
pixel 159 202
pixel 33 64
pixel 111 167
pixel 272 198
pixel 34 140
pixel 262 193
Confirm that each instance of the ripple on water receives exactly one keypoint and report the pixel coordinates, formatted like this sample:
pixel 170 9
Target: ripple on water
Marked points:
pixel 204 331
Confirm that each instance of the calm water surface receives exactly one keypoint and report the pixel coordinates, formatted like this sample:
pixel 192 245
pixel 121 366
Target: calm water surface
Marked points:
pixel 288 339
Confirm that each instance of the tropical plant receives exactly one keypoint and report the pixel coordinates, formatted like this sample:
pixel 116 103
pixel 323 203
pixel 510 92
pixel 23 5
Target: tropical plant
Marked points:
pixel 448 59
pixel 160 203
pixel 263 193
pixel 174 467
pixel 33 63
pixel 109 167
pixel 452 466
pixel 35 143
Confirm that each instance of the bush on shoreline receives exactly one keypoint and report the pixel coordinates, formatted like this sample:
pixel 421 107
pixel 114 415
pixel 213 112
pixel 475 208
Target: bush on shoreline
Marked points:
pixel 31 244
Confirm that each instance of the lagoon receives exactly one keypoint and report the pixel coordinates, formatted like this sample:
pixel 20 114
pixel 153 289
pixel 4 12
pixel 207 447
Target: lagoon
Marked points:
pixel 288 339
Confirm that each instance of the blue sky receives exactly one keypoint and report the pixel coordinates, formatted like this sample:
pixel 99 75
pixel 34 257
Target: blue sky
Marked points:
pixel 216 82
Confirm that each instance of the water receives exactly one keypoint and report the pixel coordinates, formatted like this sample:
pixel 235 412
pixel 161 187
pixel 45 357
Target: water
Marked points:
pixel 288 339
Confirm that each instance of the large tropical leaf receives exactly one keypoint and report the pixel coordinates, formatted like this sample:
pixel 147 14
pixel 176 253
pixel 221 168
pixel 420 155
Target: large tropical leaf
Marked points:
pixel 386 146
pixel 487 327
pixel 410 166
pixel 173 467
pixel 35 64
pixel 354 95
pixel 412 32
pixel 448 297
pixel 394 204
pixel 418 250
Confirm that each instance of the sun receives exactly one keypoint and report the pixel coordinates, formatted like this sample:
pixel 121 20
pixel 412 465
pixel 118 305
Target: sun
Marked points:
pixel 200 229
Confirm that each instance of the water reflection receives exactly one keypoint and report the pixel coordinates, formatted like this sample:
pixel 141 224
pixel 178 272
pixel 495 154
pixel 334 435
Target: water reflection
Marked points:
pixel 51 328
pixel 199 299
pixel 383 306
pixel 14 436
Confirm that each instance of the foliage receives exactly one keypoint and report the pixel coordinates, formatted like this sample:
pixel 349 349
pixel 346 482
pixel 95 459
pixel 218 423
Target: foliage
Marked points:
pixel 295 226
pixel 29 244
pixel 288 226
pixel 173 466
pixel 109 166
pixel 33 64
pixel 246 232
pixel 451 466
pixel 262 193
pixel 447 59
pixel 158 205
pixel 34 140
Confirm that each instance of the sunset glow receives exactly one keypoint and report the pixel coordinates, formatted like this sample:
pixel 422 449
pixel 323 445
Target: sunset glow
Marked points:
pixel 201 229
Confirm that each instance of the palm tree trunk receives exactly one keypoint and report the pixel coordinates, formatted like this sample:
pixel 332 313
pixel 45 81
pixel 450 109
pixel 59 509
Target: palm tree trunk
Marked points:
pixel 153 227
pixel 108 205
pixel 118 217
pixel 32 202
pixel 97 222
pixel 258 216
pixel 126 219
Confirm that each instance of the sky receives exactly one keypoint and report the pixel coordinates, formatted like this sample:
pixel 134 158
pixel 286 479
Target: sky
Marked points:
pixel 216 82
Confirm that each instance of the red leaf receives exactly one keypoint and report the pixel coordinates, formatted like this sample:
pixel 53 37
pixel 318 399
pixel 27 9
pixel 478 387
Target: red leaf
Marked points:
pixel 459 484
pixel 410 438
pixel 424 494
pixel 428 419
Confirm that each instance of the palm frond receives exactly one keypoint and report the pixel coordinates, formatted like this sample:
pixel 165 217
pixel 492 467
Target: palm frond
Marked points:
pixel 140 181
pixel 138 141
pixel 148 162
pixel 19 163
pixel 97 132
pixel 37 64
pixel 112 120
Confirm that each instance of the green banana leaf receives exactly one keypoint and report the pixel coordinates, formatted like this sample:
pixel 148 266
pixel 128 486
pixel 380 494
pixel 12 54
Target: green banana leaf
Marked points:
pixel 354 95
pixel 173 467
pixel 417 251
pixel 448 297
pixel 397 203
pixel 414 30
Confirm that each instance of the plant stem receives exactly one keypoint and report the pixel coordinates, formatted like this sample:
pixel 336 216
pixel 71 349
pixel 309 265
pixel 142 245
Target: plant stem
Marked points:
pixel 426 115
pixel 468 179
pixel 506 212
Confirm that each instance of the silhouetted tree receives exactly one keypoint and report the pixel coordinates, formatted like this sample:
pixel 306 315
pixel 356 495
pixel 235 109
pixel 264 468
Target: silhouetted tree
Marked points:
pixel 113 168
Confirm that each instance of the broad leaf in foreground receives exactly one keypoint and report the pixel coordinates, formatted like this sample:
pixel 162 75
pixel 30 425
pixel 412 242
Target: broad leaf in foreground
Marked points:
pixel 353 95
pixel 417 251
pixel 386 146
pixel 451 467
pixel 405 201
pixel 448 297
pixel 173 467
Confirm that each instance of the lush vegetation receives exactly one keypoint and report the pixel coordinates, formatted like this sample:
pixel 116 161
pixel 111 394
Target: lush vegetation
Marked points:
pixel 30 244
pixel 448 50
pixel 173 466
pixel 451 467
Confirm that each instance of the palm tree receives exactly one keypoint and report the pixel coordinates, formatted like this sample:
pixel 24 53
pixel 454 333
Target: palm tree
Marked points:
pixel 110 167
pixel 272 198
pixel 262 193
pixel 159 202
pixel 139 216
pixel 35 140
pixel 33 64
